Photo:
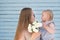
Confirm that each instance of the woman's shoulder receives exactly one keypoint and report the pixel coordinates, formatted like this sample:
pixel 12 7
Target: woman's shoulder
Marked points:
pixel 25 32
pixel 22 32
pixel 27 35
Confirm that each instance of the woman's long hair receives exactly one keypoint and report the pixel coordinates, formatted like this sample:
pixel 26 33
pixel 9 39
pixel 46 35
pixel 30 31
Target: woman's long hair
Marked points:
pixel 24 20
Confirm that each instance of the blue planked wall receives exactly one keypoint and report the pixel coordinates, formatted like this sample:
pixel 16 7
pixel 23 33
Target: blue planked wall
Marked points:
pixel 9 14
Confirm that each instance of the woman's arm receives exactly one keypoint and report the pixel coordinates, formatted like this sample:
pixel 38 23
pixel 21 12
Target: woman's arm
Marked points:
pixel 50 28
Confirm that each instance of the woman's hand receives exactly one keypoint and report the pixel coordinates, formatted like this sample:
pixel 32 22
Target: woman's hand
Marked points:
pixel 35 35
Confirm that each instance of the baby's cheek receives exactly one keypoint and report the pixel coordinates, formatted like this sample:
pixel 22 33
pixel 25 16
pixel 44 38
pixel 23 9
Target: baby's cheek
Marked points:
pixel 46 17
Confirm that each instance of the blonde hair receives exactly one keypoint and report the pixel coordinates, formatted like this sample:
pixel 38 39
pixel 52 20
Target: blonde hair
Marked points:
pixel 50 13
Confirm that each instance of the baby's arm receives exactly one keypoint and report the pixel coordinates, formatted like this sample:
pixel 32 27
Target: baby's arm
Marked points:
pixel 50 28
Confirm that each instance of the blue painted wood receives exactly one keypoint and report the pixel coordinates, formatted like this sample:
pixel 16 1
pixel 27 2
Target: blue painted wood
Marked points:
pixel 9 14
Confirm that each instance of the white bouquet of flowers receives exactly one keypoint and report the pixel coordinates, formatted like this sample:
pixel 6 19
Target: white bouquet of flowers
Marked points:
pixel 34 26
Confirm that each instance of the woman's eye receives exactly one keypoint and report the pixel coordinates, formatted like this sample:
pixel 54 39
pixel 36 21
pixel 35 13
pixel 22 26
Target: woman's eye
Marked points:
pixel 34 15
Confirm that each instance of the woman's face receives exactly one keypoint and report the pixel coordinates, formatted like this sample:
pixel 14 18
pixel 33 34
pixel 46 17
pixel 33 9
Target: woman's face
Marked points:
pixel 32 17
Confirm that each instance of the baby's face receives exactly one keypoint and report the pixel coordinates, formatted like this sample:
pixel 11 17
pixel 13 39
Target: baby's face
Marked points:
pixel 45 16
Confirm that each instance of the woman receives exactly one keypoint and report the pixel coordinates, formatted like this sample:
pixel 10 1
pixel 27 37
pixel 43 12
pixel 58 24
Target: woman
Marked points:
pixel 26 17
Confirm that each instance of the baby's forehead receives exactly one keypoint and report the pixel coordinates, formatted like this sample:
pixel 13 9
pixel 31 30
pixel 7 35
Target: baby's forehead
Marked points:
pixel 46 13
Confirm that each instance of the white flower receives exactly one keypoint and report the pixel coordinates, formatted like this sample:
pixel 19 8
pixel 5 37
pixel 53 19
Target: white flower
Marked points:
pixel 34 27
pixel 38 24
